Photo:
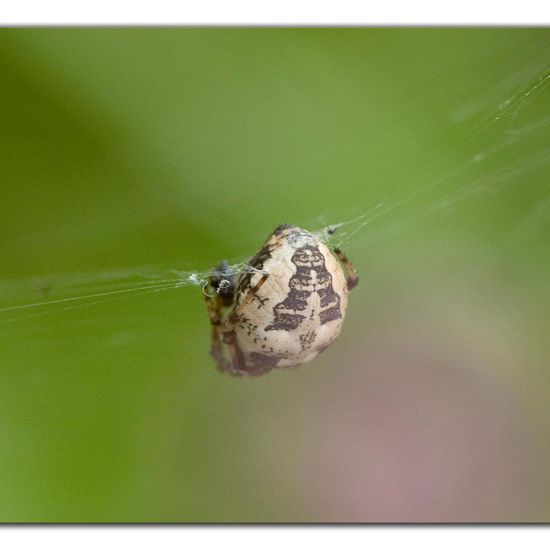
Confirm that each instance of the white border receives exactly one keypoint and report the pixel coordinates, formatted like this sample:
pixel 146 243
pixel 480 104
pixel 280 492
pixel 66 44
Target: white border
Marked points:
pixel 275 538
pixel 270 12
pixel 283 12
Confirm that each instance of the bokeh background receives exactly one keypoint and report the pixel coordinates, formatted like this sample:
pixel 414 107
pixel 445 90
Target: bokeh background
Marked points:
pixel 175 148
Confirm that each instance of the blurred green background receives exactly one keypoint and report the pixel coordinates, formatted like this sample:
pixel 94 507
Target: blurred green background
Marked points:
pixel 175 148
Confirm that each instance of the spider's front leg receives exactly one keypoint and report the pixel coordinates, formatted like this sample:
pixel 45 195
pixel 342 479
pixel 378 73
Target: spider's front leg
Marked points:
pixel 223 284
pixel 214 307
pixel 351 272
pixel 225 348
pixel 236 366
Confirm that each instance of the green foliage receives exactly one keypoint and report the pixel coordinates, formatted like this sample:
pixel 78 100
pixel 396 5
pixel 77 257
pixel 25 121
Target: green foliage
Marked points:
pixel 179 147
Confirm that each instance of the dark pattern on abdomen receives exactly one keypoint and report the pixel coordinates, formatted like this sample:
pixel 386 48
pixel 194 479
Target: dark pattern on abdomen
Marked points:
pixel 309 261
pixel 256 263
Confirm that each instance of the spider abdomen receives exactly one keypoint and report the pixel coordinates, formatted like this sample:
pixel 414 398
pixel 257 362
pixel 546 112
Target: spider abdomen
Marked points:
pixel 293 307
pixel 285 308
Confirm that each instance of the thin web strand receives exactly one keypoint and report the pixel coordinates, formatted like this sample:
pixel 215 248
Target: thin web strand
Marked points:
pixel 87 304
pixel 345 231
pixel 175 284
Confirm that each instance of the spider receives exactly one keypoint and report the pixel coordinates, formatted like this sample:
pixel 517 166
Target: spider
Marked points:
pixel 284 309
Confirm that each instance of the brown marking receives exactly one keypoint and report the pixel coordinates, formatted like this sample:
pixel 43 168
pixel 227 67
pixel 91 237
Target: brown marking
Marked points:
pixel 307 339
pixel 285 321
pixel 330 314
pixel 260 363
pixel 252 293
pixel 283 227
pixel 308 260
pixel 257 264
pixel 352 274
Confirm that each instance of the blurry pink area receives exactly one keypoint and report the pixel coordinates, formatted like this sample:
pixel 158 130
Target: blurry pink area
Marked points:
pixel 423 424
pixel 415 437
pixel 429 407
pixel 421 420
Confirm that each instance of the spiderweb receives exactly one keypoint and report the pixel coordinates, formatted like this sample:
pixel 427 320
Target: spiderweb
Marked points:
pixel 44 295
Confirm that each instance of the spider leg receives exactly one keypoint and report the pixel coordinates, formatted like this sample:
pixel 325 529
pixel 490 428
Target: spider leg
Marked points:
pixel 225 349
pixel 351 272
pixel 224 339
pixel 214 306
pixel 252 293
pixel 237 364
pixel 222 282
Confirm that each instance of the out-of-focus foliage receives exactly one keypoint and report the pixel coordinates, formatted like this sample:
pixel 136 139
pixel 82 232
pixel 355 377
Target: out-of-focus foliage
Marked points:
pixel 180 147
